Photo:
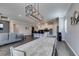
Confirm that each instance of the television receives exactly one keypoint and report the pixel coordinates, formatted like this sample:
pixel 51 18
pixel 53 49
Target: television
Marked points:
pixel 1 26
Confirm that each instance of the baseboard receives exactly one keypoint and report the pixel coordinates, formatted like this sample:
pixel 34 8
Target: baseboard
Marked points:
pixel 71 48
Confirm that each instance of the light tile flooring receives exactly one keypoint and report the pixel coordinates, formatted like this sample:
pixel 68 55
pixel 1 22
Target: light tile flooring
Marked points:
pixel 5 50
pixel 62 48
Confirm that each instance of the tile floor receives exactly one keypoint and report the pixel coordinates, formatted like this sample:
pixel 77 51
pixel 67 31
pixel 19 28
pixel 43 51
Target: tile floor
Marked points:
pixel 62 48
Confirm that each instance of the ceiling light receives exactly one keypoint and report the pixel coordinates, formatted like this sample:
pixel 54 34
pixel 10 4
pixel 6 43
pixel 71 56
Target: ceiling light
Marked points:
pixel 0 13
pixel 29 10
pixel 19 15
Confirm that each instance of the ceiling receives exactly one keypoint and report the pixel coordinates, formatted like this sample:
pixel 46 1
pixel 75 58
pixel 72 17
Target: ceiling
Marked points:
pixel 16 11
pixel 53 10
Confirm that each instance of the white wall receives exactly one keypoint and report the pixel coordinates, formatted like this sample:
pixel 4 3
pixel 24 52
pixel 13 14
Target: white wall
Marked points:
pixel 20 26
pixel 62 27
pixel 72 35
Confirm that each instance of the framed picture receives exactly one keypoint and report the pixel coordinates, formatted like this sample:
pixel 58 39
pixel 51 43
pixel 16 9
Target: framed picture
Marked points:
pixel 73 21
pixel 75 18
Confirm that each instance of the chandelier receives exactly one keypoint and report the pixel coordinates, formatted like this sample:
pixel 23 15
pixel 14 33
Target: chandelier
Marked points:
pixel 32 11
pixel 29 10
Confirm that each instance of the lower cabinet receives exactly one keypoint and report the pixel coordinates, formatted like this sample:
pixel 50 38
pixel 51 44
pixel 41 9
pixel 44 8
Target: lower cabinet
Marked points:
pixel 6 38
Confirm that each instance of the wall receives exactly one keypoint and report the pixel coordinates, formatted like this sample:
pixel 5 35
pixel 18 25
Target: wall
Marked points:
pixel 55 29
pixel 62 27
pixel 21 27
pixel 5 26
pixel 72 35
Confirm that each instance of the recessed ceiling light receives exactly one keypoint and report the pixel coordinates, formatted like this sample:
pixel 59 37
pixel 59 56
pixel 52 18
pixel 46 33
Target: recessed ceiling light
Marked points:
pixel 0 13
pixel 19 15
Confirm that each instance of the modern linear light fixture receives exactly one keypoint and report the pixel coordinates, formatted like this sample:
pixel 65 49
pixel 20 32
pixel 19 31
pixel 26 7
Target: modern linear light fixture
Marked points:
pixel 34 12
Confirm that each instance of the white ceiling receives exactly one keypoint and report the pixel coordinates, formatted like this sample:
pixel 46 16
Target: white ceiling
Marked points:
pixel 47 10
pixel 53 10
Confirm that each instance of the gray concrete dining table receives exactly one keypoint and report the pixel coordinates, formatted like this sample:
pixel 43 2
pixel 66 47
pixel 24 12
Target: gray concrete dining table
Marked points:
pixel 40 47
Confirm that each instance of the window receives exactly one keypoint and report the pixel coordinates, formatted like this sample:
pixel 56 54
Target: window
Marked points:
pixel 66 25
pixel 1 26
